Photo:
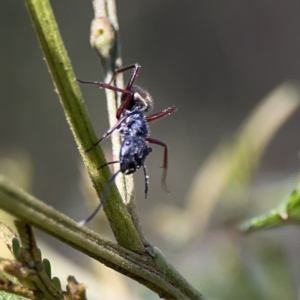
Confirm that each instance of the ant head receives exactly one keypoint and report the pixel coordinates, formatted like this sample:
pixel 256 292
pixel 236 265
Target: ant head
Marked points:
pixel 133 153
pixel 141 100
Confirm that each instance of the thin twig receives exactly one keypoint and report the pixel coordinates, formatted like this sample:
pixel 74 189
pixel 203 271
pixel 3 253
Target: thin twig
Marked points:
pixel 105 40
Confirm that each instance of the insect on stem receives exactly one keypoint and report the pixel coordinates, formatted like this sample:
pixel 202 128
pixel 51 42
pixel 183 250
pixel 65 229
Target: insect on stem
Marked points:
pixel 132 125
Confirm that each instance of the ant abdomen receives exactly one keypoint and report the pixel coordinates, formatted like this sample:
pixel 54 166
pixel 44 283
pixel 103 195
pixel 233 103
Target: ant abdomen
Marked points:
pixel 133 153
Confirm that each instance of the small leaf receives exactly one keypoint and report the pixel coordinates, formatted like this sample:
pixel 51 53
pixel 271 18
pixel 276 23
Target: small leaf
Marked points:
pixel 15 247
pixel 56 282
pixel 47 267
pixel 287 213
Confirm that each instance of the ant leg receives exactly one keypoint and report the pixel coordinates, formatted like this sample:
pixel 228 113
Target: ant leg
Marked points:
pixel 124 105
pixel 109 163
pixel 164 113
pixel 126 91
pixel 133 76
pixel 102 200
pixel 165 162
pixel 127 98
pixel 136 68
pixel 104 85
pixel 146 180
pixel 107 133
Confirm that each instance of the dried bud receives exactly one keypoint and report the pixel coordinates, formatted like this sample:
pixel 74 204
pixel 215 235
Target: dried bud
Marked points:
pixel 102 36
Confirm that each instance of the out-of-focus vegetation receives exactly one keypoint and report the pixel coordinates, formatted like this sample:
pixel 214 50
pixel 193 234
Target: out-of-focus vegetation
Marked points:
pixel 240 53
pixel 242 267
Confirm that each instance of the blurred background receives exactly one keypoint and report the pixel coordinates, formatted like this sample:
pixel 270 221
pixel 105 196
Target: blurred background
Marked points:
pixel 232 69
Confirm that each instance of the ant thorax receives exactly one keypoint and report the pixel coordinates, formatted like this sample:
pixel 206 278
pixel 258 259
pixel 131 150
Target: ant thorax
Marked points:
pixel 134 125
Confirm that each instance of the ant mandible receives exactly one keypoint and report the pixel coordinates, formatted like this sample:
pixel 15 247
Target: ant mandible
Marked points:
pixel 133 128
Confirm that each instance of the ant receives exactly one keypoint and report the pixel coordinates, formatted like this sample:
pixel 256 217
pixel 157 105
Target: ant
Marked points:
pixel 132 125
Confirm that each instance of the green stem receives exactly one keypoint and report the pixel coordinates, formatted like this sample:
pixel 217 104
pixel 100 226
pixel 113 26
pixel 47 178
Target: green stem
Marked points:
pixel 155 274
pixel 129 257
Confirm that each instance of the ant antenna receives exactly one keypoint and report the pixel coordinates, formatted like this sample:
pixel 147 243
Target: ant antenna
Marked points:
pixel 102 200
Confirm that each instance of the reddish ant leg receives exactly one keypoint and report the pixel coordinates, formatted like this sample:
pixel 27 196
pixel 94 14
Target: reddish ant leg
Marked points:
pixel 165 162
pixel 135 72
pixel 107 133
pixel 164 113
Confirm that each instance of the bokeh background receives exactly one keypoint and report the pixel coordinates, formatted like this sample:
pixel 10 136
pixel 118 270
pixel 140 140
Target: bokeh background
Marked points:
pixel 216 61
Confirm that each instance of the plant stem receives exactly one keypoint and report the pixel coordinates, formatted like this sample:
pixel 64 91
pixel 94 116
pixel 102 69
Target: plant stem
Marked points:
pixel 129 256
pixel 156 274
pixel 105 40
pixel 71 99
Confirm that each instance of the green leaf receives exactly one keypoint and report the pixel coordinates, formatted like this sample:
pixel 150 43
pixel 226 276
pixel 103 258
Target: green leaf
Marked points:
pixel 56 282
pixel 287 213
pixel 15 247
pixel 47 267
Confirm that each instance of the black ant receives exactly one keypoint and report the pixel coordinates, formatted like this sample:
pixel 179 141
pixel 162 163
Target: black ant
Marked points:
pixel 132 126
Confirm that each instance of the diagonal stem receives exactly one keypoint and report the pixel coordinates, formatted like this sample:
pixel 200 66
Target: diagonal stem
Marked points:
pixel 71 99
pixel 156 274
